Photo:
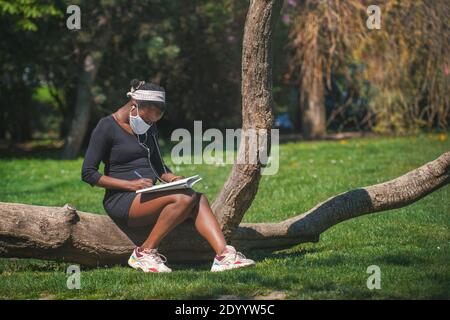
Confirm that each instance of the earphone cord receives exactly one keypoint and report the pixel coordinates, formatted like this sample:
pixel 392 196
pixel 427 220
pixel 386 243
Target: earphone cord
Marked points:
pixel 148 157
pixel 159 152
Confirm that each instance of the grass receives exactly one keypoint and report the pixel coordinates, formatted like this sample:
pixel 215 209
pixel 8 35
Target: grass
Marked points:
pixel 410 245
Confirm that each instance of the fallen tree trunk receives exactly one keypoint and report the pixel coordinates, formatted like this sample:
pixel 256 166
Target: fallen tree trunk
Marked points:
pixel 65 234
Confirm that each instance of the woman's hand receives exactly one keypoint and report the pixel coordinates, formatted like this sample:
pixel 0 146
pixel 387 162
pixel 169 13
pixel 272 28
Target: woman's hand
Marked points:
pixel 175 178
pixel 170 177
pixel 138 184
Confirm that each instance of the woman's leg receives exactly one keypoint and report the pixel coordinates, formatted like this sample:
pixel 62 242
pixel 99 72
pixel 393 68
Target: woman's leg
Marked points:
pixel 162 210
pixel 207 225
pixel 166 210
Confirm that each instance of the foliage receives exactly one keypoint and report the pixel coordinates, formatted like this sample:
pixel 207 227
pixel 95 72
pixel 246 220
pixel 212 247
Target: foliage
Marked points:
pixel 409 81
pixel 393 79
pixel 191 48
pixel 24 13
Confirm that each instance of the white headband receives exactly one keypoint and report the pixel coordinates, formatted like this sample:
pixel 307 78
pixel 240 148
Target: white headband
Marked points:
pixel 148 95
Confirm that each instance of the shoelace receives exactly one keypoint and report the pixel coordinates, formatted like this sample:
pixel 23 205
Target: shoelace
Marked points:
pixel 238 254
pixel 241 255
pixel 156 255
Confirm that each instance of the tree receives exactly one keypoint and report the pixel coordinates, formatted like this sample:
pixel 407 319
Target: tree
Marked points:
pixel 404 88
pixel 91 46
pixel 70 235
pixel 179 45
pixel 319 41
pixel 408 83
pixel 309 59
pixel 19 46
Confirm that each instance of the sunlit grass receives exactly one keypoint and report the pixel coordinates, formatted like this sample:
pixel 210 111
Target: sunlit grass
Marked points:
pixel 410 245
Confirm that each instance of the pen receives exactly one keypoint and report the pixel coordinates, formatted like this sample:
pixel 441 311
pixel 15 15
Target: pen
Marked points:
pixel 136 173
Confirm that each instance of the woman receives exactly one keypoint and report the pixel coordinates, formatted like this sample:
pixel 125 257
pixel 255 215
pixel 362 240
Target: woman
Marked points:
pixel 126 141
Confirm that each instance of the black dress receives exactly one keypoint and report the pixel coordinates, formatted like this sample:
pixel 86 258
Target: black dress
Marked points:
pixel 122 154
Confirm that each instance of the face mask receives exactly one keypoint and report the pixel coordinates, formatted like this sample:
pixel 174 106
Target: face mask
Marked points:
pixel 138 125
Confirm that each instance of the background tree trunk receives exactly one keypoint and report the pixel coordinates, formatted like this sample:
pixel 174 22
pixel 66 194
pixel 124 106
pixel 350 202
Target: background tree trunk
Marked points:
pixel 312 106
pixel 90 239
pixel 83 105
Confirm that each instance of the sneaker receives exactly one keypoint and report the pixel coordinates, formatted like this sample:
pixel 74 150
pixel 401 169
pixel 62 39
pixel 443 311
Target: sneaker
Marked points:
pixel 148 260
pixel 230 259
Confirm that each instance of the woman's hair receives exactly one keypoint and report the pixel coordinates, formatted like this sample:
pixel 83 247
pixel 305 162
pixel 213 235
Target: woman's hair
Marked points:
pixel 142 85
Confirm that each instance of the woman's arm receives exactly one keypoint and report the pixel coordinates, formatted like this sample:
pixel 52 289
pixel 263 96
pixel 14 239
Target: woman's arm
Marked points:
pixel 119 184
pixel 99 145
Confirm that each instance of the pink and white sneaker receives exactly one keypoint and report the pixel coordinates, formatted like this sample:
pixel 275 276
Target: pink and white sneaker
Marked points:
pixel 230 259
pixel 148 260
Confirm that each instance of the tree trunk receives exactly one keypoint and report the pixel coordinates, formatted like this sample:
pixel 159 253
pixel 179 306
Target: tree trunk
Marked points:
pixel 241 186
pixel 65 234
pixel 312 107
pixel 83 104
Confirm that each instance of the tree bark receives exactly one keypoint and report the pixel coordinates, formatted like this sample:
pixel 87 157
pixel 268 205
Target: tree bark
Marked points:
pixel 241 185
pixel 312 109
pixel 66 234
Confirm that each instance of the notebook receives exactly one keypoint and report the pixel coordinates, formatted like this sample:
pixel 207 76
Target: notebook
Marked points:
pixel 185 183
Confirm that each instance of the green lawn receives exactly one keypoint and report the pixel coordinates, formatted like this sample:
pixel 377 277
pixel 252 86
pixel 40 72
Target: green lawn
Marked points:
pixel 410 245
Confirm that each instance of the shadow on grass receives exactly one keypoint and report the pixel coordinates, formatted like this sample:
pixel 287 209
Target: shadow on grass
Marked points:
pixel 227 283
pixel 36 265
pixel 42 152
pixel 399 259
pixel 48 188
pixel 260 254
pixel 31 265
pixel 257 255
